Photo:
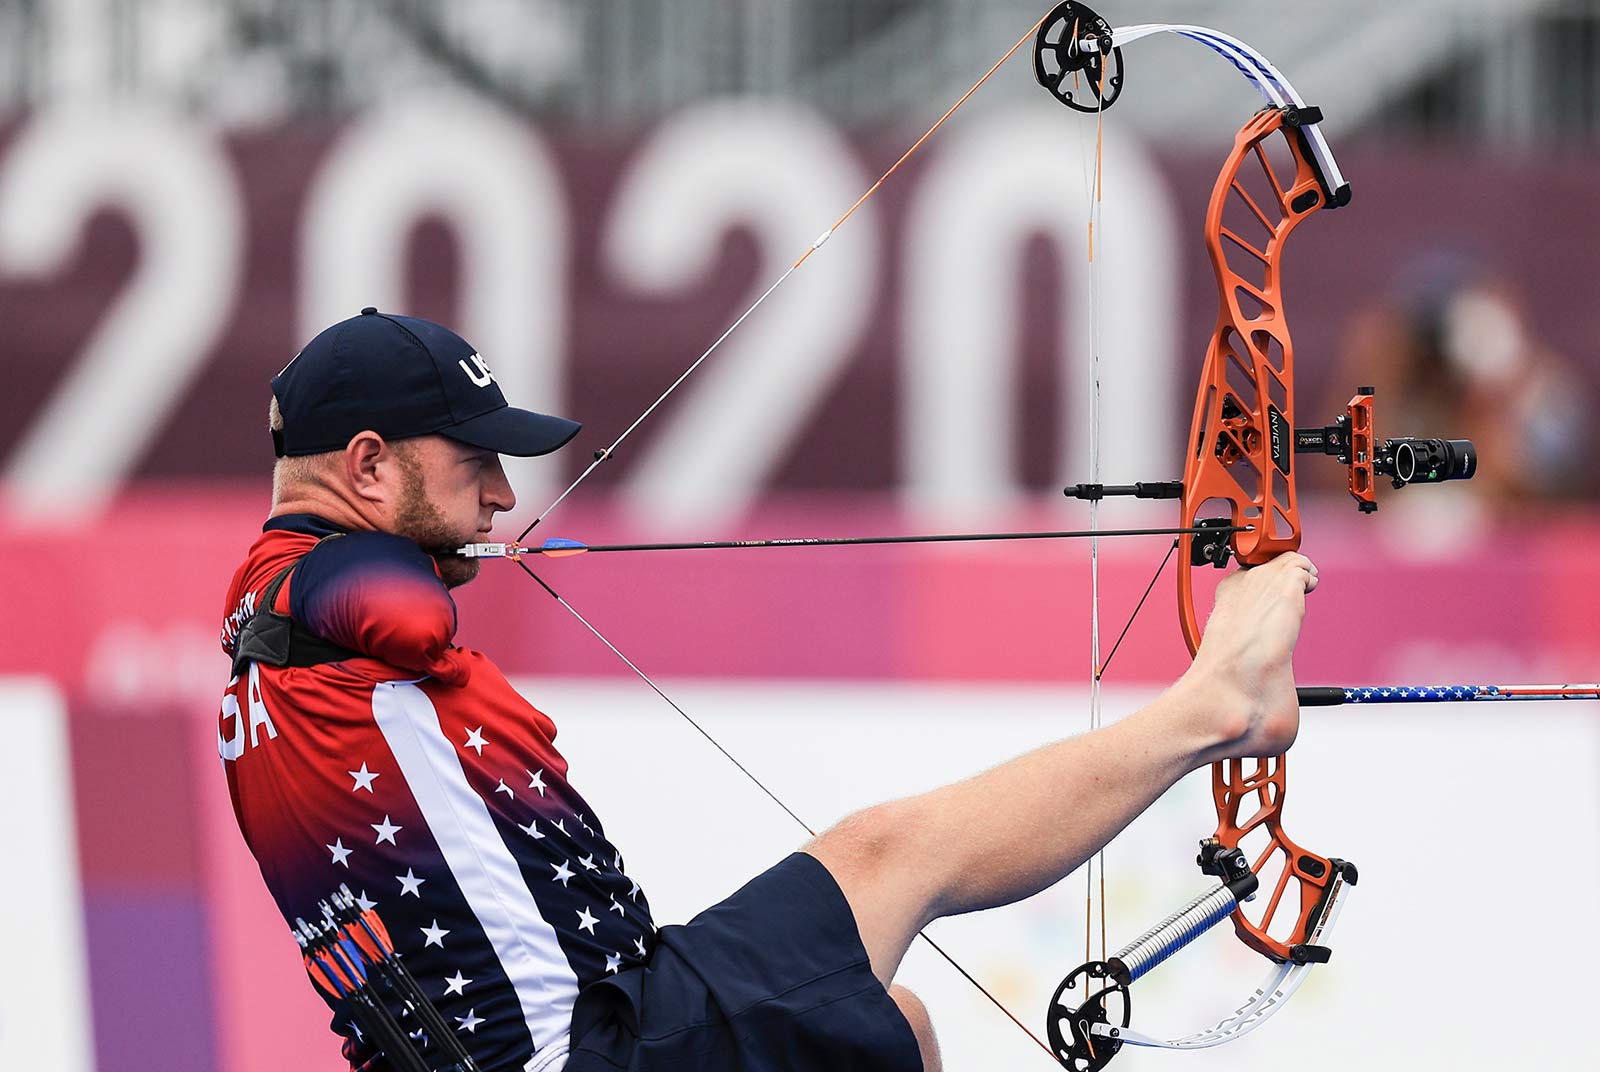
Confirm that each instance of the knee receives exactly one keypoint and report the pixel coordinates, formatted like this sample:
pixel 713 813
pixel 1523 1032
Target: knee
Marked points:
pixel 916 1015
pixel 875 846
pixel 858 851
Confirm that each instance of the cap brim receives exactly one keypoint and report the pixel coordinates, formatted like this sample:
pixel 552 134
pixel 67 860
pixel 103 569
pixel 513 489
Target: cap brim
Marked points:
pixel 520 433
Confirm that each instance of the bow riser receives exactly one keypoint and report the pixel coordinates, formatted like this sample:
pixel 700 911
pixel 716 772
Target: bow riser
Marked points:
pixel 1241 459
pixel 1241 443
pixel 1295 882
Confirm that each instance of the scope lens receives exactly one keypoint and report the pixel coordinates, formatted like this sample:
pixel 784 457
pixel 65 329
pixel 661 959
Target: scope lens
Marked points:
pixel 1431 460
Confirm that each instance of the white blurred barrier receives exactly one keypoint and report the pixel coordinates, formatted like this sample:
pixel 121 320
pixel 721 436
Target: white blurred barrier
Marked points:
pixel 44 987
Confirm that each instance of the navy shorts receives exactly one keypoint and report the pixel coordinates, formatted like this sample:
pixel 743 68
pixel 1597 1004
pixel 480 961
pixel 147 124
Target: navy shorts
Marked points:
pixel 774 977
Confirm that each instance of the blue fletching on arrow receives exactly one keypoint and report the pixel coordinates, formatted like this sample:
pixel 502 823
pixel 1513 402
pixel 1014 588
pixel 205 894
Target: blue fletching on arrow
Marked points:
pixel 557 545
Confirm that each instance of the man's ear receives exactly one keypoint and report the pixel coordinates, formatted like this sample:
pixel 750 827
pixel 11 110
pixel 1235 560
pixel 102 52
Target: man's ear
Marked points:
pixel 368 462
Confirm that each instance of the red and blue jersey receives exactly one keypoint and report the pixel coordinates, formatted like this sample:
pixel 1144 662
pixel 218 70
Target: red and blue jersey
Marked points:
pixel 416 775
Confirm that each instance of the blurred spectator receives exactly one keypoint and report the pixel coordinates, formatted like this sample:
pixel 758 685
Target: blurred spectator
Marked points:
pixel 1453 354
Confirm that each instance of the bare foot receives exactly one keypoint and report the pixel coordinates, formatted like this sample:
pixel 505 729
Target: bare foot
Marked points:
pixel 1245 656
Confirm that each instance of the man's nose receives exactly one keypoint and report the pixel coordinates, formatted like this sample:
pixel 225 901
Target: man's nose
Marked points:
pixel 497 489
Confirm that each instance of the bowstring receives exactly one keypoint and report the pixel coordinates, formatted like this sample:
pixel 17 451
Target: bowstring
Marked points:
pixel 1095 867
pixel 607 453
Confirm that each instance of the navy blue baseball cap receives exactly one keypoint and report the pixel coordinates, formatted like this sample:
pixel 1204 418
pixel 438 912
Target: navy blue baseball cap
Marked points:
pixel 400 377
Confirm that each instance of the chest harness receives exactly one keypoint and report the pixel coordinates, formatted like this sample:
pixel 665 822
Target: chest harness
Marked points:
pixel 274 639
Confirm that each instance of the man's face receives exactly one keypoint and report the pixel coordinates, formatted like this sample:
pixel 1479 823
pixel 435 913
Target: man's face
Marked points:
pixel 450 496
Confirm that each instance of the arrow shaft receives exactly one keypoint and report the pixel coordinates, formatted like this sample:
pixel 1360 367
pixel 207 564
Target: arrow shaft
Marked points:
pixel 858 541
pixel 1335 696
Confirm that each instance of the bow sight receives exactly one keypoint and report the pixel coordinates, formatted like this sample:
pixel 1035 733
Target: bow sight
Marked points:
pixel 1350 439
pixel 1404 461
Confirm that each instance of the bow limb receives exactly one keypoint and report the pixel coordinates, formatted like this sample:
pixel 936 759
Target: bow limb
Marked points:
pixel 1279 985
pixel 1078 58
pixel 1268 81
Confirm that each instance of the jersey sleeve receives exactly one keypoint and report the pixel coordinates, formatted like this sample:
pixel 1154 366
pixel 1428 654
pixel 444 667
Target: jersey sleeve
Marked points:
pixel 381 595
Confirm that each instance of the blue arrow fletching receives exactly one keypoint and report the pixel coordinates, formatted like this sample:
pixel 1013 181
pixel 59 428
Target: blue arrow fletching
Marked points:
pixel 557 547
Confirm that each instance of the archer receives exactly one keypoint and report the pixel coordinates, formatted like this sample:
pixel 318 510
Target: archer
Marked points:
pixel 407 768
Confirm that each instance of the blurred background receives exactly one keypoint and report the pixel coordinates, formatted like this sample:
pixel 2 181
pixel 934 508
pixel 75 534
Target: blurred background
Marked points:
pixel 590 192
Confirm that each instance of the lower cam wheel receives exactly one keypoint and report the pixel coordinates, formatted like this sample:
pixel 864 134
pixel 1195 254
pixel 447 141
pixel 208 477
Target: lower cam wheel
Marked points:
pixel 1068 1025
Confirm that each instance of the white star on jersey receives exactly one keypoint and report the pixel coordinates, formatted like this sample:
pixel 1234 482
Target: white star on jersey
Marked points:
pixel 456 984
pixel 363 777
pixel 475 740
pixel 586 922
pixel 410 883
pixel 341 855
pixel 469 1023
pixel 435 935
pixel 386 830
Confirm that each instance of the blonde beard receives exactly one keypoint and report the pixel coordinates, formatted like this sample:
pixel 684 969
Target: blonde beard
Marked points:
pixel 418 520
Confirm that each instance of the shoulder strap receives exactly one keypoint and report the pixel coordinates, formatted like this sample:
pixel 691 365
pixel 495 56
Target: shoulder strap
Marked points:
pixel 277 639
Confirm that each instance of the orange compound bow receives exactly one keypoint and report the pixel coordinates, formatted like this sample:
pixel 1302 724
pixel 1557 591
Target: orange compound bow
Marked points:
pixel 1238 501
pixel 1238 498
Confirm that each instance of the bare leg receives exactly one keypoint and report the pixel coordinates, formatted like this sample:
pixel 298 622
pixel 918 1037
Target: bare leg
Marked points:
pixel 1021 827
pixel 921 1025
